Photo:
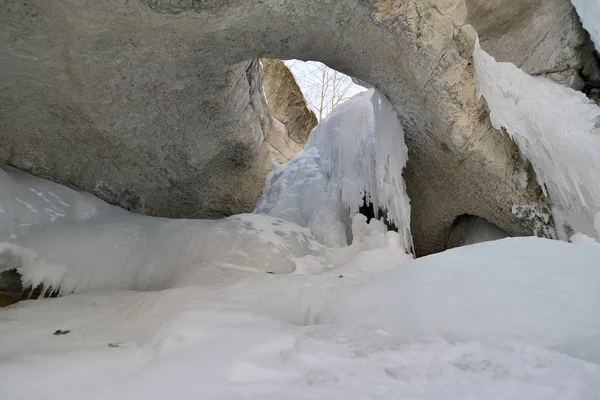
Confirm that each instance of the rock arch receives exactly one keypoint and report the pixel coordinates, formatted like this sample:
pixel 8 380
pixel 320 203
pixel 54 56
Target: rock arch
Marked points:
pixel 162 99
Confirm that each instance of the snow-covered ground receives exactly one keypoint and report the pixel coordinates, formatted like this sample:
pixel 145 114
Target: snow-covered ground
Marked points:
pixel 282 305
pixel 513 317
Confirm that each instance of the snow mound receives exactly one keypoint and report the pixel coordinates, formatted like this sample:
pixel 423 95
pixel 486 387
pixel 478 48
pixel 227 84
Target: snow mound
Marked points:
pixel 145 253
pixel 556 128
pixel 357 152
pixel 531 289
pixel 27 202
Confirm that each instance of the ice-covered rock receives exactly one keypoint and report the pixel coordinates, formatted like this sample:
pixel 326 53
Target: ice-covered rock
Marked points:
pixel 556 128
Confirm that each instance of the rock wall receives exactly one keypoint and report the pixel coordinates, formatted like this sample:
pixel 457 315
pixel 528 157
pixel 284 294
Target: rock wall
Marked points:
pixel 292 119
pixel 154 105
pixel 542 37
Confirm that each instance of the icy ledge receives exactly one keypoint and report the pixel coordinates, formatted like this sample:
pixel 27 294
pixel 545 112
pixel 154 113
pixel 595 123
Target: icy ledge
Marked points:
pixel 556 128
pixel 358 151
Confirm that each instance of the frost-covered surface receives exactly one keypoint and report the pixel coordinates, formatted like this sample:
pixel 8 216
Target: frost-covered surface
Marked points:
pixel 357 150
pixel 513 317
pixel 556 128
pixel 589 13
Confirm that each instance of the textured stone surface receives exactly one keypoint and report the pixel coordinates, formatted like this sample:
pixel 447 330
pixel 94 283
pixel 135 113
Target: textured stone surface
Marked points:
pixel 154 103
pixel 543 37
pixel 292 119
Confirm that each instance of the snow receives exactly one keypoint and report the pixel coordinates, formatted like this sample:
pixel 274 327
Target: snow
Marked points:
pixel 516 317
pixel 589 13
pixel 27 201
pixel 357 151
pixel 580 238
pixel 556 128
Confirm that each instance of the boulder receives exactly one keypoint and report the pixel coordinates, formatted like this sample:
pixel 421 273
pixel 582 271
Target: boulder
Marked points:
pixel 157 104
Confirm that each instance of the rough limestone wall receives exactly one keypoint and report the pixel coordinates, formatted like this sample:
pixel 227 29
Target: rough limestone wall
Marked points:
pixel 142 118
pixel 543 37
pixel 292 119
pixel 154 103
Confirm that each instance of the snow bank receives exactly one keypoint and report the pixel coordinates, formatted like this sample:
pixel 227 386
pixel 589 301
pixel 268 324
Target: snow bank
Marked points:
pixel 589 13
pixel 145 253
pixel 357 151
pixel 27 201
pixel 556 128
pixel 480 322
pixel 530 289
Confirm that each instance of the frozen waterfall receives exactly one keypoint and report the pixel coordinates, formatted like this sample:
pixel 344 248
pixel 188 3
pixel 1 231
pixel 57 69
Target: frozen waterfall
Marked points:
pixel 357 152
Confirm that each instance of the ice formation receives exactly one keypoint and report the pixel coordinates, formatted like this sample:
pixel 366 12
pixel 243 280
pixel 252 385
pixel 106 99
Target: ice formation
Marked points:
pixel 97 246
pixel 589 13
pixel 556 128
pixel 357 152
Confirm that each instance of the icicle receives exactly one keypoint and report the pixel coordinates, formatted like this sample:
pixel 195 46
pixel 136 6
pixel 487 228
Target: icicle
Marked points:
pixel 555 127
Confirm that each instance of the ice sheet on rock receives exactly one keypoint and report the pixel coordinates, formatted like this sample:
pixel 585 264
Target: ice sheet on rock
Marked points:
pixel 27 201
pixel 556 128
pixel 357 151
pixel 589 13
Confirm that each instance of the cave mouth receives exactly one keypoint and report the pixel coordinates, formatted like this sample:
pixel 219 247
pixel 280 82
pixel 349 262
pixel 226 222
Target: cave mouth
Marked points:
pixel 470 229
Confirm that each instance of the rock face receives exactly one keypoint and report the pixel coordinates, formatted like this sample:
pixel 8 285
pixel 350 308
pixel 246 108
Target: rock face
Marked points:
pixel 542 37
pixel 155 105
pixel 292 120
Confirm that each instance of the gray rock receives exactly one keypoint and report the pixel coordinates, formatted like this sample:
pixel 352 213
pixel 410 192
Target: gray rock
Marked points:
pixel 292 120
pixel 543 37
pixel 158 105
